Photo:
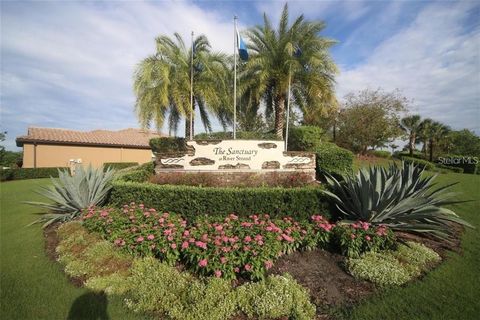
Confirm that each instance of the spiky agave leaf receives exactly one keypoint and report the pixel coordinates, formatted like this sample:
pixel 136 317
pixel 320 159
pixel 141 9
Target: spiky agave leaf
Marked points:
pixel 69 195
pixel 400 197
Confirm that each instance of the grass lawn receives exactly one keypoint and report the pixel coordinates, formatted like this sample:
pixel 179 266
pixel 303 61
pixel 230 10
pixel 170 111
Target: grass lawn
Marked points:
pixel 452 291
pixel 33 287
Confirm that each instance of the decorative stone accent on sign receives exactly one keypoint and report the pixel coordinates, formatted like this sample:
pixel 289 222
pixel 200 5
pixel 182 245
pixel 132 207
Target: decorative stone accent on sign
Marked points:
pixel 238 166
pixel 169 166
pixel 207 142
pixel 271 165
pixel 299 160
pixel 267 145
pixel 202 161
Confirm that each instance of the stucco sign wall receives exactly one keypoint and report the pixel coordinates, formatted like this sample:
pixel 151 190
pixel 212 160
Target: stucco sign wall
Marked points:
pixel 215 155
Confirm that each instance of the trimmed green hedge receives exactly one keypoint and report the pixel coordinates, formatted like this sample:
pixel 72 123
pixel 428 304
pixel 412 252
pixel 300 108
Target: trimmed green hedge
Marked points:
pixel 424 163
pixel 304 138
pixel 119 165
pixel 192 201
pixel 168 144
pixel 139 174
pixel 333 159
pixel 243 135
pixel 29 173
pixel 381 153
pixel 450 168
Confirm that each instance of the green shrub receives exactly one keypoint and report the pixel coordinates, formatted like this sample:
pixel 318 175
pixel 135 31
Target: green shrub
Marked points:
pixel 304 138
pixel 416 154
pixel 450 168
pixel 397 267
pixel 353 239
pixel 69 195
pixel 29 173
pixel 168 145
pixel 333 159
pixel 243 135
pixel 159 288
pixel 416 254
pixel 193 201
pixel 381 268
pixel 137 174
pixel 381 153
pixel 275 297
pixel 119 165
pixel 427 165
pixel 85 254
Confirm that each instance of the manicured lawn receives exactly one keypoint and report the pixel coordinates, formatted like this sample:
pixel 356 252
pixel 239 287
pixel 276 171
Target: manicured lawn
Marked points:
pixel 32 286
pixel 452 291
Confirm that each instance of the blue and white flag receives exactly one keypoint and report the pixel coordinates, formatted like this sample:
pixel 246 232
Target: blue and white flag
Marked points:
pixel 242 48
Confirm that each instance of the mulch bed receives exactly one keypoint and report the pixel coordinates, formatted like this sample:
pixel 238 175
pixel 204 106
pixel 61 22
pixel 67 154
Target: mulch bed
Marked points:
pixel 322 273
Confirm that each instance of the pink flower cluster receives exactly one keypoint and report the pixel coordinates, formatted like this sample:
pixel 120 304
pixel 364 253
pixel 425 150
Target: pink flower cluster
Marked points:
pixel 227 248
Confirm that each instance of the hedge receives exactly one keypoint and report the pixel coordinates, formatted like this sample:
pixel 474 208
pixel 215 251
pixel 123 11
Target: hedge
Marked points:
pixel 427 165
pixel 192 201
pixel 243 135
pixel 119 165
pixel 333 159
pixel 381 153
pixel 168 144
pixel 29 173
pixel 139 174
pixel 304 138
pixel 450 168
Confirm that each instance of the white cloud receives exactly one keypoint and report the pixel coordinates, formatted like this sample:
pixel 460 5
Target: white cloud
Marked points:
pixel 71 64
pixel 434 61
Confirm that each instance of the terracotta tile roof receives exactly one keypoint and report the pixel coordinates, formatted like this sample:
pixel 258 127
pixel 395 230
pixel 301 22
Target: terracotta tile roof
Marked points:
pixel 133 138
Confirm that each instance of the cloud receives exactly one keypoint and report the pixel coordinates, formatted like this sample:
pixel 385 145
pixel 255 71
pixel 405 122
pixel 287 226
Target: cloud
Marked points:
pixel 71 64
pixel 434 60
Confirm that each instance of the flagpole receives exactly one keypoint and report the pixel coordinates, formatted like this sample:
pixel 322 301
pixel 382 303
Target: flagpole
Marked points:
pixel 191 92
pixel 288 108
pixel 235 45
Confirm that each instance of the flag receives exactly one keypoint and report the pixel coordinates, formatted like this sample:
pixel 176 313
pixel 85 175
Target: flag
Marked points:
pixel 242 48
pixel 298 52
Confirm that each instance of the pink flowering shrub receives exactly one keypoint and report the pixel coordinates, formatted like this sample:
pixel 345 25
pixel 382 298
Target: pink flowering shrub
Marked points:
pixel 225 248
pixel 353 239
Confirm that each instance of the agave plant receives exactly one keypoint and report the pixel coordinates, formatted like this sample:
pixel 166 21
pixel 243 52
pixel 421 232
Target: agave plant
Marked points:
pixel 400 197
pixel 69 195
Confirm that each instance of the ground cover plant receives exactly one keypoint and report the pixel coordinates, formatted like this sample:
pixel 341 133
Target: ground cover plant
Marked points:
pixel 393 267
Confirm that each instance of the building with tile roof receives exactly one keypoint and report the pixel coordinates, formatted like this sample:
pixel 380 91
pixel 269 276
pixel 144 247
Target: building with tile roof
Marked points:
pixel 51 147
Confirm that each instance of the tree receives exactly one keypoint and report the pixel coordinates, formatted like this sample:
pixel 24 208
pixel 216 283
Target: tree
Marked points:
pixel 437 132
pixel 162 84
pixel 296 53
pixel 411 125
pixel 424 135
pixel 464 142
pixel 370 119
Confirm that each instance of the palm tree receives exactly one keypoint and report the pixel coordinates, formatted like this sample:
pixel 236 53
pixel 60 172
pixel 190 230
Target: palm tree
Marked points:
pixel 162 84
pixel 295 51
pixel 424 133
pixel 438 132
pixel 411 125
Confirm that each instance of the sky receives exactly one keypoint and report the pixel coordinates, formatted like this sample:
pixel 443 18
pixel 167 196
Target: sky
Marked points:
pixel 70 64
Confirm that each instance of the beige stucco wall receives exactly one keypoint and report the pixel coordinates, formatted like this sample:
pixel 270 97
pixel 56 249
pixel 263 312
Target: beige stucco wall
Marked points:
pixel 59 155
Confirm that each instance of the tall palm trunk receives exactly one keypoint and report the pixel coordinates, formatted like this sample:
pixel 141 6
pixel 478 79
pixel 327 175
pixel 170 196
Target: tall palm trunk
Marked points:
pixel 431 150
pixel 279 115
pixel 412 144
pixel 187 125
